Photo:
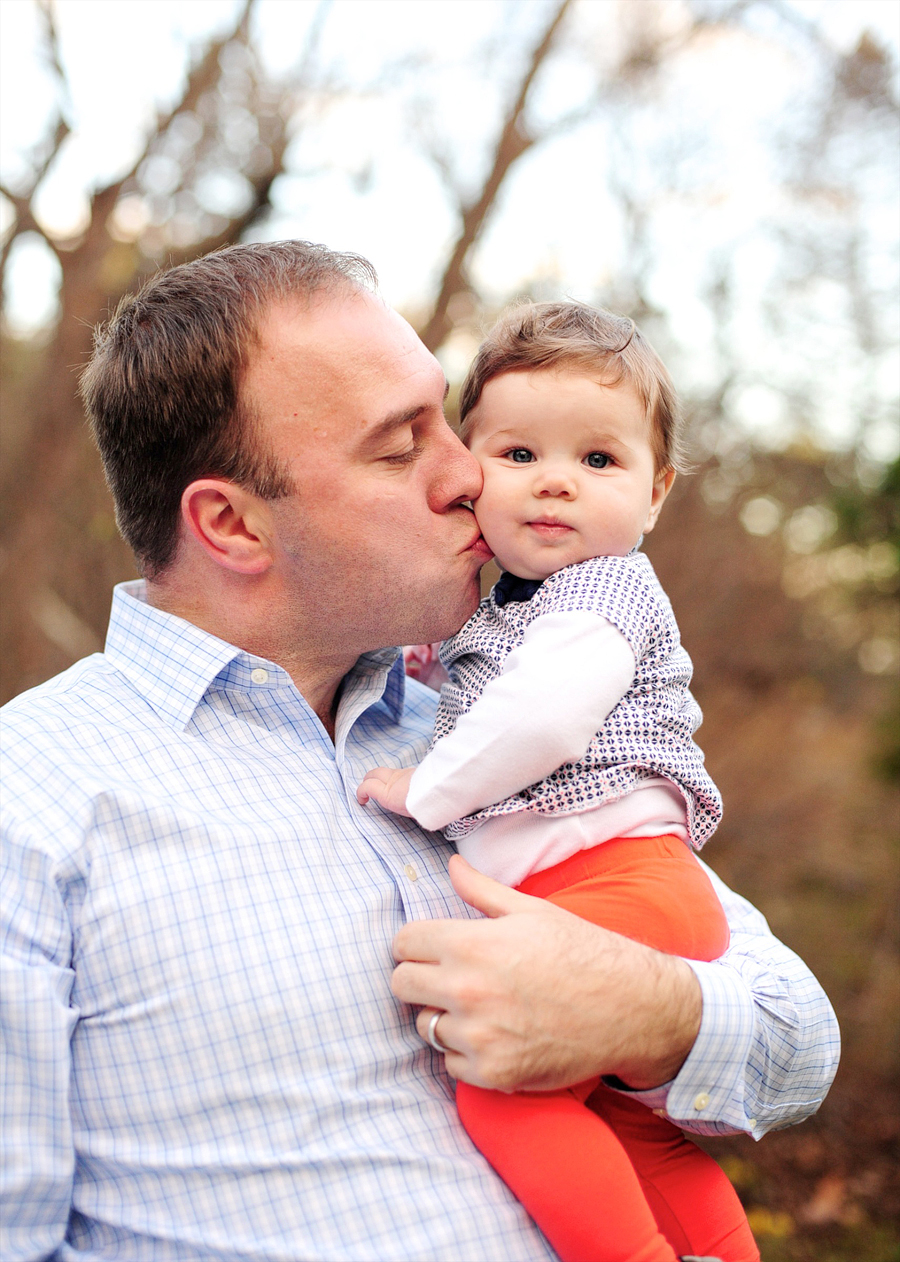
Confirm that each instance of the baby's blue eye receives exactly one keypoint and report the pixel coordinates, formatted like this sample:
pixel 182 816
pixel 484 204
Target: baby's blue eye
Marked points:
pixel 520 455
pixel 597 460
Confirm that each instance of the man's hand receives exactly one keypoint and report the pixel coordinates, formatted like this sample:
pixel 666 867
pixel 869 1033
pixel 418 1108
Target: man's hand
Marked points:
pixel 386 787
pixel 534 998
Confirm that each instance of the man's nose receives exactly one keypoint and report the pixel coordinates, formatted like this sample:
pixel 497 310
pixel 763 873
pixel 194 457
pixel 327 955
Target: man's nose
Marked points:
pixel 458 475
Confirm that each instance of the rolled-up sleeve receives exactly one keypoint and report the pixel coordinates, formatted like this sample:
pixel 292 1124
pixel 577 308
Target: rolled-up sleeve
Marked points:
pixel 769 1043
pixel 36 1024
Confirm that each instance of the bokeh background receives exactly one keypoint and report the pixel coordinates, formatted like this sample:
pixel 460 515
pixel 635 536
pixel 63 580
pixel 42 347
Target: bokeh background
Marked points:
pixel 725 172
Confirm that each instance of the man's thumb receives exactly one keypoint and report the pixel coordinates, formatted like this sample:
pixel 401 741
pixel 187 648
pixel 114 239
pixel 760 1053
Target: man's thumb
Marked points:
pixel 484 893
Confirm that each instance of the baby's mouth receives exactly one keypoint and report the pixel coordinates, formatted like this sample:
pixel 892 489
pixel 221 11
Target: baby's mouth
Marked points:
pixel 549 526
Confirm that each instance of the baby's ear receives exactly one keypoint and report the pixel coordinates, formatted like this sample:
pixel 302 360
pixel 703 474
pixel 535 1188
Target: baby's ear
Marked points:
pixel 661 488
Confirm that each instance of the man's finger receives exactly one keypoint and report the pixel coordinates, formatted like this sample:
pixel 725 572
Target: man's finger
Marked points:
pixel 423 1025
pixel 455 1062
pixel 487 895
pixel 428 941
pixel 419 984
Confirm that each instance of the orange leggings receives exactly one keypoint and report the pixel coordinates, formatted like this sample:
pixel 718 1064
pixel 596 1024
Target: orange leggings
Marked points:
pixel 605 1179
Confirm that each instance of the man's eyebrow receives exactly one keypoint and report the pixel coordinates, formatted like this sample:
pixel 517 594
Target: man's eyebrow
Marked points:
pixel 381 431
pixel 396 420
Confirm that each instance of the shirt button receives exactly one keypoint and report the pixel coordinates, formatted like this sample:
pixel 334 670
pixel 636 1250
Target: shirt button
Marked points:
pixel 259 676
pixel 410 872
pixel 751 1121
pixel 701 1101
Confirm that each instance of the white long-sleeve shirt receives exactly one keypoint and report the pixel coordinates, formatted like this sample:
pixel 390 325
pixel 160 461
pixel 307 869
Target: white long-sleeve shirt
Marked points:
pixel 649 733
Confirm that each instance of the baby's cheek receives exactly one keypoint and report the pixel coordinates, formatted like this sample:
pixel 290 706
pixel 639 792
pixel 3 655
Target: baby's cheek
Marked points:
pixel 488 514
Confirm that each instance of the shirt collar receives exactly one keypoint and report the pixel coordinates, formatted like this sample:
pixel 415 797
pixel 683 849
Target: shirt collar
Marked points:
pixel 172 663
pixel 169 661
pixel 394 693
pixel 510 587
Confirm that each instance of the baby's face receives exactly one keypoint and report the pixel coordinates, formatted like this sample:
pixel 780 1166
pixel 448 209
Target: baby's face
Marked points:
pixel 569 470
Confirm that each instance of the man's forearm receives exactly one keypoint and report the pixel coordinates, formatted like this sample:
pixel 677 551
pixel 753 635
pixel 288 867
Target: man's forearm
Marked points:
pixel 668 1006
pixel 768 1047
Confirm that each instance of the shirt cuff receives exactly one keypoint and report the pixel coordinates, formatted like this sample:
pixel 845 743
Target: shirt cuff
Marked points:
pixel 707 1095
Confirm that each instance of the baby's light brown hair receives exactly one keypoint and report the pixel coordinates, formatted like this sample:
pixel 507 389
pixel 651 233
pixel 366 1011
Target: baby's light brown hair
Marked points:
pixel 573 337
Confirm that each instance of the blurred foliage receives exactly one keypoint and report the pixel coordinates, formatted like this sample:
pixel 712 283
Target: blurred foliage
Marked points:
pixel 779 624
pixel 866 518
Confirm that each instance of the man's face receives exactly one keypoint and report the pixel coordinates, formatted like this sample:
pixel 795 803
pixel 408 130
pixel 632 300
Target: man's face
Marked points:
pixel 376 540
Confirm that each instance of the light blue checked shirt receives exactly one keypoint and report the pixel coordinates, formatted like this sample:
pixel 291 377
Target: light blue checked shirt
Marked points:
pixel 204 1058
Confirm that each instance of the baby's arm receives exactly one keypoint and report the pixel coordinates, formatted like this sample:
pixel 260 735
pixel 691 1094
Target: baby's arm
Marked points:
pixel 555 692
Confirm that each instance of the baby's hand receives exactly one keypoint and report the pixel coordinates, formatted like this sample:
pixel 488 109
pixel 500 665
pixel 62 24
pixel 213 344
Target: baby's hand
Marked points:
pixel 386 787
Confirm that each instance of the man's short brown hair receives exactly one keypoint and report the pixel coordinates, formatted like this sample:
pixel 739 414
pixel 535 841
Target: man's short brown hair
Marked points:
pixel 573 337
pixel 162 389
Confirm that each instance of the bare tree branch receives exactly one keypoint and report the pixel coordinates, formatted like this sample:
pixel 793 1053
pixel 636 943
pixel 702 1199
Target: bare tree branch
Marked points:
pixel 277 143
pixel 236 226
pixel 513 141
pixel 439 156
pixel 51 48
pixel 23 222
pixel 203 75
pixel 43 153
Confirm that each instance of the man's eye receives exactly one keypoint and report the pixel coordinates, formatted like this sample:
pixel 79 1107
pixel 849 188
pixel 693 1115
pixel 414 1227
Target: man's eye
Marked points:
pixel 597 460
pixel 405 457
pixel 520 455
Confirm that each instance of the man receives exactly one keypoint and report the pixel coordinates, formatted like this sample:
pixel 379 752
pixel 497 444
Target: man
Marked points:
pixel 208 1055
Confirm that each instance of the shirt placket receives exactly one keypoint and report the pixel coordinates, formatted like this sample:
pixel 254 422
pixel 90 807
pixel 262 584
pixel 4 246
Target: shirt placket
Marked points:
pixel 417 866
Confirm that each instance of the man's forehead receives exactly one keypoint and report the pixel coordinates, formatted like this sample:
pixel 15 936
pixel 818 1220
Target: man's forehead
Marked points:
pixel 334 338
pixel 341 350
pixel 328 317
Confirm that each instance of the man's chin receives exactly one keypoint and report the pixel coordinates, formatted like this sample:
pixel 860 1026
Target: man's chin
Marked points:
pixel 440 626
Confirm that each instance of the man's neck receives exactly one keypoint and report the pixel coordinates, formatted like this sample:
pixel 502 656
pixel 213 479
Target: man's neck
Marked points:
pixel 264 630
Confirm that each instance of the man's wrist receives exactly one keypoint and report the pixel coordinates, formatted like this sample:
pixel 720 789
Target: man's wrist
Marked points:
pixel 674 1007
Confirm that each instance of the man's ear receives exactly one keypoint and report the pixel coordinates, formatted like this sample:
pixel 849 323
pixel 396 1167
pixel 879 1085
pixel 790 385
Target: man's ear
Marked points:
pixel 661 488
pixel 231 524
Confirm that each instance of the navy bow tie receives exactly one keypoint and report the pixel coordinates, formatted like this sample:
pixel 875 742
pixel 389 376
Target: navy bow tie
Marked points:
pixel 511 587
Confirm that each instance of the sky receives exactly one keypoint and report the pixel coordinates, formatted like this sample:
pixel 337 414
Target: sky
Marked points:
pixel 361 179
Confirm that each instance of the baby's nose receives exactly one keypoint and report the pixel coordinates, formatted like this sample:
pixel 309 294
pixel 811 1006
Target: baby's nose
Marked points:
pixel 556 482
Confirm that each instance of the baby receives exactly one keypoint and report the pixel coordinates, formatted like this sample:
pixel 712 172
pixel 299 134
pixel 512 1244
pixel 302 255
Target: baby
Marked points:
pixel 563 761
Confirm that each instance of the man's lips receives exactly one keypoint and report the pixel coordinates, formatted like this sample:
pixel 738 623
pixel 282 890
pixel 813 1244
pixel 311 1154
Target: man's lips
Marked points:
pixel 479 548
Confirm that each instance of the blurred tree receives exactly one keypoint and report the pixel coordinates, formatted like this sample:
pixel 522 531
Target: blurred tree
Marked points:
pixel 514 140
pixel 202 178
pixel 208 168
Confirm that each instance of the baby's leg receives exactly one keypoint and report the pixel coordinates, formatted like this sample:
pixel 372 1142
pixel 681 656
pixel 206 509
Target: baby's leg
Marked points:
pixel 694 1205
pixel 653 890
pixel 569 1170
